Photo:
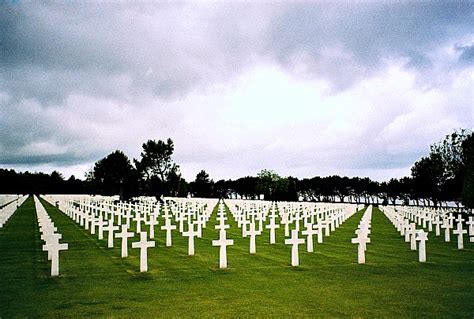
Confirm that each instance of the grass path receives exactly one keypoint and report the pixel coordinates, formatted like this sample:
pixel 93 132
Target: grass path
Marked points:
pixel 96 281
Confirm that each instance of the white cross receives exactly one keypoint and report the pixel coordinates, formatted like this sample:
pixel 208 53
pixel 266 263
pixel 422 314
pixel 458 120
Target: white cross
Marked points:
pixel 166 212
pixel 190 234
pixel 223 243
pixel 459 231
pixel 200 223
pixel 451 220
pixel 49 239
pixel 101 223
pixel 437 223
pixel 87 219
pixel 152 222
pixel 53 249
pixel 124 234
pixel 110 228
pixel 446 227
pixel 143 244
pixel 253 233
pixel 93 224
pixel 221 225
pixel 244 222
pixel 272 226
pixel 362 240
pixel 168 227
pixel 401 225
pixel 319 231
pixel 138 219
pixel 128 217
pixel 407 227
pixel 326 224
pixel 430 223
pixel 460 219
pixel 294 241
pixel 286 221
pixel 309 232
pixel 412 234
pixel 422 237
pixel 180 219
pixel 470 223
pixel 48 230
pixel 297 221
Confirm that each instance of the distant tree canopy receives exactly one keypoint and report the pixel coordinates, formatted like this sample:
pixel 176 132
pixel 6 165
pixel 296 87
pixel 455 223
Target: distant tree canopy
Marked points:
pixel 445 174
pixel 12 182
pixel 274 187
pixel 468 161
pixel 202 185
pixel 114 175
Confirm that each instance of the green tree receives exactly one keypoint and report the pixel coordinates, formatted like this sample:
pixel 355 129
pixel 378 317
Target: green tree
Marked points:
pixel 202 186
pixel 428 175
pixel 245 186
pixel 450 151
pixel 160 174
pixel 271 185
pixel 114 175
pixel 56 182
pixel 468 159
pixel 183 188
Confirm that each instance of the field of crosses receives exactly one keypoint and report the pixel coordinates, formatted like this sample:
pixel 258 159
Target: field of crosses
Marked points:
pixel 64 255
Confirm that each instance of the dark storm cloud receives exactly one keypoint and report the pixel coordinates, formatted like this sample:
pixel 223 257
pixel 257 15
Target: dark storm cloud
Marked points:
pixel 118 50
pixel 365 34
pixel 115 52
pixel 165 50
pixel 88 61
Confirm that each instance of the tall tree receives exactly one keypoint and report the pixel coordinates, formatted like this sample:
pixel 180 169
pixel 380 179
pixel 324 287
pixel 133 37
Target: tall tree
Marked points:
pixel 245 186
pixel 428 176
pixel 222 188
pixel 271 185
pixel 468 159
pixel 161 175
pixel 114 174
pixel 450 151
pixel 202 185
pixel 441 175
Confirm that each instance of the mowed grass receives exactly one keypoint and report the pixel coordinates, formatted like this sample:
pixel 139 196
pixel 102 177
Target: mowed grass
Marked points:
pixel 96 281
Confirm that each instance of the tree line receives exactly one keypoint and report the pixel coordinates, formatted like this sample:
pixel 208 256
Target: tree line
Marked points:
pixel 445 174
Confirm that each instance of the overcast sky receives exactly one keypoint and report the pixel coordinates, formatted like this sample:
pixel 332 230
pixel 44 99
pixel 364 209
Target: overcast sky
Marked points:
pixel 305 89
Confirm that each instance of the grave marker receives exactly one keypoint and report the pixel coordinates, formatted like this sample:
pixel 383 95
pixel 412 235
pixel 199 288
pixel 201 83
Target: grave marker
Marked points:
pixel 143 244
pixel 294 241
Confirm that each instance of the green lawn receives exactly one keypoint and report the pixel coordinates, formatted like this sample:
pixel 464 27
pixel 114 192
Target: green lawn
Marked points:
pixel 95 281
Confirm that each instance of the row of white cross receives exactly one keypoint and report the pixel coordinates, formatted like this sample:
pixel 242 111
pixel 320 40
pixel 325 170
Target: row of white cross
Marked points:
pixel 98 217
pixel 222 242
pixel 91 213
pixel 362 232
pixel 408 230
pixel 5 199
pixel 50 237
pixel 445 221
pixel 290 215
pixel 190 216
pixel 427 217
pixel 406 221
pixel 7 211
pixel 102 216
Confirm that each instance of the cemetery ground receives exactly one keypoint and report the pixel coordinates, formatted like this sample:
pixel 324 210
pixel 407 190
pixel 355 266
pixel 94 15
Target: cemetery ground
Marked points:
pixel 96 281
